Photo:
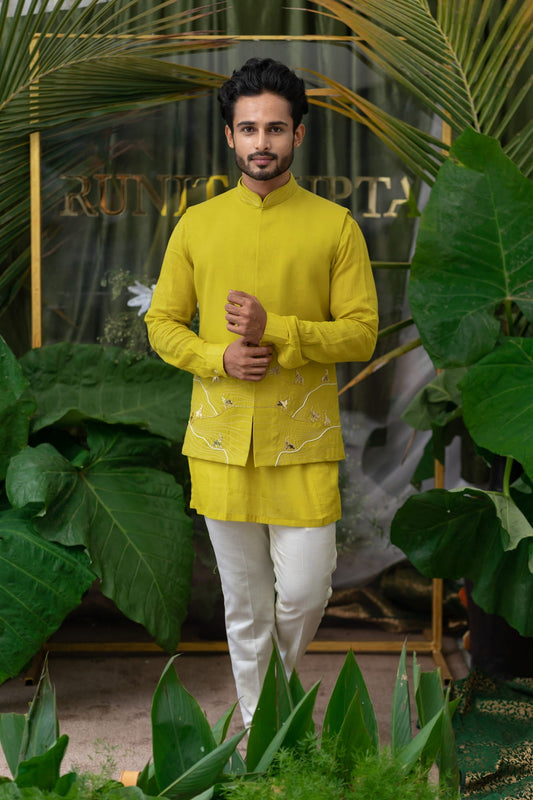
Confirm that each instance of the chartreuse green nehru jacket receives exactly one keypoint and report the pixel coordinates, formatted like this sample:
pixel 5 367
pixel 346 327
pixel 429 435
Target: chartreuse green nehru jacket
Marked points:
pixel 306 261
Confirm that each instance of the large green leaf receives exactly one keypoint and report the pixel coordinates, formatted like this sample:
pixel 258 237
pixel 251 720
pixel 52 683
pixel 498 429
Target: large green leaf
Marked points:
pixel 202 775
pixel 294 730
pixel 130 517
pixel 43 770
pixel 274 706
pixel 437 403
pixel 42 727
pixel 401 708
pixel 15 410
pixel 41 582
pixel 181 734
pixel 424 747
pixel 449 773
pixel 353 740
pixel 76 381
pixel 474 252
pixel 498 401
pixel 429 696
pixel 459 534
pixel 11 733
pixel 349 683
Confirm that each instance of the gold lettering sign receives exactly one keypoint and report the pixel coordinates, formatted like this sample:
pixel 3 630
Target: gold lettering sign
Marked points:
pixel 114 195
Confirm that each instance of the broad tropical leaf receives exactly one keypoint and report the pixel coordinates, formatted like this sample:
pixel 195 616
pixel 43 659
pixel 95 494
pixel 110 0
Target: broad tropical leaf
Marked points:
pixel 474 256
pixel 72 382
pixel 353 740
pixel 459 535
pixel 424 746
pixel 43 770
pixel 349 683
pixel 181 734
pixel 201 776
pixel 40 583
pixel 437 403
pixel 293 731
pixel 15 410
pixel 464 60
pixel 429 695
pixel 130 518
pixel 274 706
pixel 498 401
pixel 11 733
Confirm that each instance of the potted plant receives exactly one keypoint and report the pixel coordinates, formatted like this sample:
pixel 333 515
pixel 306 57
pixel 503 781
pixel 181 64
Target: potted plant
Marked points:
pixel 471 295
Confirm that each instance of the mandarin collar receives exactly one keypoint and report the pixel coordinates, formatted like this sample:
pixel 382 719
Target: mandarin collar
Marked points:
pixel 272 199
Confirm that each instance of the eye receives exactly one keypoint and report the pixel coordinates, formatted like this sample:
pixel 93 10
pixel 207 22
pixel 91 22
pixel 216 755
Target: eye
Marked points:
pixel 276 129
pixel 247 129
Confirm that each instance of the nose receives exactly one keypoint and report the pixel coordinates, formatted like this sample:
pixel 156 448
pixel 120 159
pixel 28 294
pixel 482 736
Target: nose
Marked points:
pixel 262 141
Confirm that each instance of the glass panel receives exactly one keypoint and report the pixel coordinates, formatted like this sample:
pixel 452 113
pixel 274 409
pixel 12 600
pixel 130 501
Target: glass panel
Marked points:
pixel 119 187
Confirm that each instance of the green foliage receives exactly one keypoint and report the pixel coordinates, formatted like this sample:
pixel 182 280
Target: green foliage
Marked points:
pixel 72 382
pixel 472 261
pixel 191 760
pixel 307 773
pixel 41 583
pixel 466 61
pixel 87 61
pixel 312 774
pixel 94 493
pixel 472 296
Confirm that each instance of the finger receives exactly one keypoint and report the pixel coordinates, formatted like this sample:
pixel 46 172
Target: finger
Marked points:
pixel 235 296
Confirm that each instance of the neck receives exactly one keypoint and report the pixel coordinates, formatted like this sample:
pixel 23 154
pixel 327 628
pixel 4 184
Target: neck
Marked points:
pixel 262 188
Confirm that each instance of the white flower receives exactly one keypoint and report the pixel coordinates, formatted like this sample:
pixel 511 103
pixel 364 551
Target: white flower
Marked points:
pixel 143 296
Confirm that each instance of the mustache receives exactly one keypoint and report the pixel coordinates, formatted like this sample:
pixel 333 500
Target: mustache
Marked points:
pixel 267 154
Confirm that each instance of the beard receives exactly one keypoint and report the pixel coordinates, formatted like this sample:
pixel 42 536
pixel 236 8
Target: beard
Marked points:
pixel 266 172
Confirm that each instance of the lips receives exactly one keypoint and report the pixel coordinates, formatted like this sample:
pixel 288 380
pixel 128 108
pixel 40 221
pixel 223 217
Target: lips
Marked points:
pixel 262 159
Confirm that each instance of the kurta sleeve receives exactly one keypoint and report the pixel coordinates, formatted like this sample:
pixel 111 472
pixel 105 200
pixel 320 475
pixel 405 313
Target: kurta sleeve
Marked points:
pixel 173 307
pixel 350 334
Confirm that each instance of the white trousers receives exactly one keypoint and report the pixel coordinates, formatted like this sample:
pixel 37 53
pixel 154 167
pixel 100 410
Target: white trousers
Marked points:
pixel 276 582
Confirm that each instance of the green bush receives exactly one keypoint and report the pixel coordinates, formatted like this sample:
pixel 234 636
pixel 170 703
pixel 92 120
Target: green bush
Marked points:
pixel 312 774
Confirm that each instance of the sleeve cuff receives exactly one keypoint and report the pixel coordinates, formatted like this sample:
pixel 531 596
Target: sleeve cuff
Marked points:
pixel 214 354
pixel 276 329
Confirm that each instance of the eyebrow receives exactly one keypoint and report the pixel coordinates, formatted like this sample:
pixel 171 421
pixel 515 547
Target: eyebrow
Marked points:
pixel 252 122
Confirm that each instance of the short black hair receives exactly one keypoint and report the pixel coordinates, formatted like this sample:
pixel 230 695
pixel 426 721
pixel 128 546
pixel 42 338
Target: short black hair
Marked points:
pixel 258 75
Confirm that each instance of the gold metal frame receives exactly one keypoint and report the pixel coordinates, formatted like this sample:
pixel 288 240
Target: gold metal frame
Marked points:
pixel 432 643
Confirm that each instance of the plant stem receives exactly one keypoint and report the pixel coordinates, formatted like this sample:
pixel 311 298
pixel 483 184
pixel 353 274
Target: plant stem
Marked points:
pixel 507 475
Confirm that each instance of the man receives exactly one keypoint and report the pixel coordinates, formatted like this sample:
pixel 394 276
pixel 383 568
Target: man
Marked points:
pixel 284 289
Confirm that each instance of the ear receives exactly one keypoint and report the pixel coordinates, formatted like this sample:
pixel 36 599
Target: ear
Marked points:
pixel 299 134
pixel 229 136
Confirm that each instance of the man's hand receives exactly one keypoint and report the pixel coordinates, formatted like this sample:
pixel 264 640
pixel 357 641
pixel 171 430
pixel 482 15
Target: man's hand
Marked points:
pixel 246 362
pixel 245 316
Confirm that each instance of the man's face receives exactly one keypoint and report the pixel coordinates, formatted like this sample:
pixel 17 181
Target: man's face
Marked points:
pixel 264 140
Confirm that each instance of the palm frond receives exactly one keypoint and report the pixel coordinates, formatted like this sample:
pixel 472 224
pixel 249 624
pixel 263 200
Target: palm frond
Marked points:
pixel 466 65
pixel 68 62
